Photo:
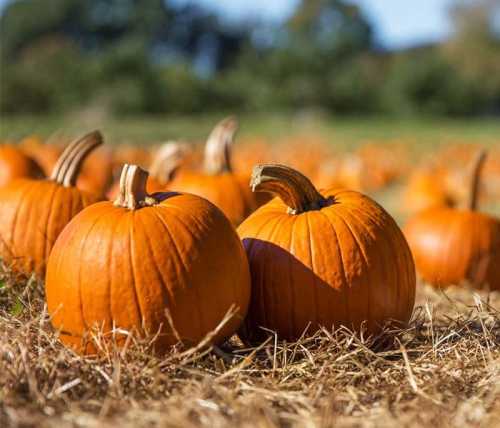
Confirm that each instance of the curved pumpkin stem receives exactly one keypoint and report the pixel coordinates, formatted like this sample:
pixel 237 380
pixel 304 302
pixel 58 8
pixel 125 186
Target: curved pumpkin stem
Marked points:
pixel 294 189
pixel 477 168
pixel 69 164
pixel 132 194
pixel 218 146
pixel 167 161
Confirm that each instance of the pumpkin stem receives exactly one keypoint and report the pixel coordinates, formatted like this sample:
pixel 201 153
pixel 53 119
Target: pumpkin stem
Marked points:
pixel 167 161
pixel 477 168
pixel 68 166
pixel 294 189
pixel 218 146
pixel 132 194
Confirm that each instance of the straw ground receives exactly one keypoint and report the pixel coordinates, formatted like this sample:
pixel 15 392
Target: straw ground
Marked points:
pixel 442 371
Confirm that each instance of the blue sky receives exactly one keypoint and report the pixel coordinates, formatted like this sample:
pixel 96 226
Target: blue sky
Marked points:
pixel 397 23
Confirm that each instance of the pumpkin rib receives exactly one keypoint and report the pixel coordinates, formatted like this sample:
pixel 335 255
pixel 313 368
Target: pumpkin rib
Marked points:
pixel 109 268
pixel 359 221
pixel 82 248
pixel 291 288
pixel 266 296
pixel 355 291
pixel 50 219
pixel 360 248
pixel 344 277
pixel 140 311
pixel 165 287
pixel 311 261
pixel 22 199
pixel 391 277
pixel 343 289
pixel 184 270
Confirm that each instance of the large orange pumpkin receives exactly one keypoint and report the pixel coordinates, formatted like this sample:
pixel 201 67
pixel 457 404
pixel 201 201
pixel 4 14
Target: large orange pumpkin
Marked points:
pixel 34 212
pixel 15 164
pixel 323 259
pixel 218 183
pixel 451 246
pixel 131 263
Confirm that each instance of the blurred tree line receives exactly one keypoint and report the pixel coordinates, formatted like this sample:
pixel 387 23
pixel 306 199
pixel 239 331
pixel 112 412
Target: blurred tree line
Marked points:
pixel 151 56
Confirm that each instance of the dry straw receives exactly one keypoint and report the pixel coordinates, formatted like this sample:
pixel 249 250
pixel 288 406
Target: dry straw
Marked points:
pixel 443 370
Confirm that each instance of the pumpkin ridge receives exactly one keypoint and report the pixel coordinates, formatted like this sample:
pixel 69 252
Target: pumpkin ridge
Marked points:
pixel 82 248
pixel 291 287
pixel 19 233
pixel 133 271
pixel 109 267
pixel 184 269
pixel 362 252
pixel 275 229
pixel 48 245
pixel 21 200
pixel 311 261
pixel 165 292
pixel 344 286
pixel 389 247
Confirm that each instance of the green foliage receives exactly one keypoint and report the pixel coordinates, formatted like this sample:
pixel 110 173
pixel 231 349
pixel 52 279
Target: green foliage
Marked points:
pixel 137 57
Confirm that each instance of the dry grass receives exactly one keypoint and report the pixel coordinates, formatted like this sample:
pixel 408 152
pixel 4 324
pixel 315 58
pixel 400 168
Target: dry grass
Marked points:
pixel 444 370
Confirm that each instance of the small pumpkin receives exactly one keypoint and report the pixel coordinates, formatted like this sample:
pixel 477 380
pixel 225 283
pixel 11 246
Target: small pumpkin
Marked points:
pixel 453 245
pixel 218 183
pixel 131 263
pixel 15 164
pixel 163 169
pixel 34 212
pixel 326 258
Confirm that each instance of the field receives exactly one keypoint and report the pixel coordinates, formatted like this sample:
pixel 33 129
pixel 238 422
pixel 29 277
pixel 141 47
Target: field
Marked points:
pixel 443 370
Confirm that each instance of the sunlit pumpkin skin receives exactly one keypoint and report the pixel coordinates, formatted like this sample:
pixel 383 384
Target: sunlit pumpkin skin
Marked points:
pixel 218 183
pixel 452 246
pixel 45 154
pixel 128 264
pixel 326 258
pixel 34 212
pixel 97 173
pixel 15 164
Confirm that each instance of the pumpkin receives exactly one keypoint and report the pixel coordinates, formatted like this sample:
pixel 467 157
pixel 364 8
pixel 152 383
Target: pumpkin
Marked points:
pixel 45 153
pixel 452 246
pixel 218 183
pixel 326 258
pixel 97 172
pixel 166 264
pixel 15 164
pixel 163 169
pixel 34 212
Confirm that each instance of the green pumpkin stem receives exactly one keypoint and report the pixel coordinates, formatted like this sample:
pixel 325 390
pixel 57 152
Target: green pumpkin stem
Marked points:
pixel 69 164
pixel 294 189
pixel 132 194
pixel 477 168
pixel 218 147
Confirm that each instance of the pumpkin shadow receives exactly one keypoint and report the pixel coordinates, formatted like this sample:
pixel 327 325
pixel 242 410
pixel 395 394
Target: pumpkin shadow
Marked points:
pixel 320 309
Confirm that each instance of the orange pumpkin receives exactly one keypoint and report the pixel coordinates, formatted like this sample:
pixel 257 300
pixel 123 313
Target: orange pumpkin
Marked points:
pixel 164 167
pixel 451 246
pixel 217 182
pixel 15 164
pixel 45 153
pixel 132 263
pixel 323 259
pixel 34 212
